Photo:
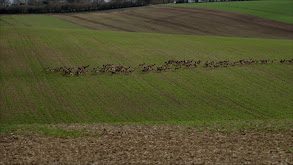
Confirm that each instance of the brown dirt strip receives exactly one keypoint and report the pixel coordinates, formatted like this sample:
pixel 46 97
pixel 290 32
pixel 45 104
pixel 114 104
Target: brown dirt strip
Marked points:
pixel 11 26
pixel 76 23
pixel 103 24
pixel 248 19
pixel 159 21
pixel 8 23
pixel 153 144
pixel 132 23
pixel 190 21
pixel 20 21
pixel 233 21
pixel 205 15
pixel 137 24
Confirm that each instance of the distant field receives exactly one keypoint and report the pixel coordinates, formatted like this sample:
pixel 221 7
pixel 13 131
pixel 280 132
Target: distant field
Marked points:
pixel 280 10
pixel 30 95
pixel 177 20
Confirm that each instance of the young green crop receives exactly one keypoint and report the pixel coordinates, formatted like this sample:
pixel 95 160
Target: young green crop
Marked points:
pixel 280 10
pixel 31 95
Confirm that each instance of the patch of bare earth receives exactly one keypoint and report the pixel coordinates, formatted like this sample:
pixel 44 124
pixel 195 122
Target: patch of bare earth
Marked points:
pixel 180 20
pixel 156 144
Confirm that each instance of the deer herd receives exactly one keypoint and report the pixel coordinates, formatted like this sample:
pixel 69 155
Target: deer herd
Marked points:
pixel 168 65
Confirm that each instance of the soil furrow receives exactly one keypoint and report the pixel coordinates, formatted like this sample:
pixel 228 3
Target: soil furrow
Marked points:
pixel 189 21
pixel 103 24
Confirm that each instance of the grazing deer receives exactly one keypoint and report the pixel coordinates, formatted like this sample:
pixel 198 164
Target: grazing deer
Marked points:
pixel 113 69
pixel 129 72
pixel 126 69
pixel 104 70
pixel 188 65
pixel 145 69
pixel 57 70
pixel 113 72
pixel 78 73
pixel 84 67
pixel 161 68
pixel 141 64
pixel 67 72
pixel 70 68
pixel 198 62
pixel 97 70
pixel 47 69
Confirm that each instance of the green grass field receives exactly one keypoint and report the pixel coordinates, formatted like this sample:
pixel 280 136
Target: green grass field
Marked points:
pixel 280 10
pixel 30 95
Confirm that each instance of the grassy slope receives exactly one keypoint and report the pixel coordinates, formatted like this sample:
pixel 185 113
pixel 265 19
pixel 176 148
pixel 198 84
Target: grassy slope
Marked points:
pixel 280 10
pixel 29 95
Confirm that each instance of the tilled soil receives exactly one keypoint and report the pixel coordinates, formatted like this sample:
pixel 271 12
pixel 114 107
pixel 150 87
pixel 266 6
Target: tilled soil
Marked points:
pixel 182 20
pixel 156 144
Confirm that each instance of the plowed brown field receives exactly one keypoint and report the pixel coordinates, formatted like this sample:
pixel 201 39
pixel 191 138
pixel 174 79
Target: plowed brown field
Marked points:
pixel 154 144
pixel 179 20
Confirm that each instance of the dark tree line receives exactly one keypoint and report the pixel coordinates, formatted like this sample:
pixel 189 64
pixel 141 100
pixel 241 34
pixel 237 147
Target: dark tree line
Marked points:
pixel 62 6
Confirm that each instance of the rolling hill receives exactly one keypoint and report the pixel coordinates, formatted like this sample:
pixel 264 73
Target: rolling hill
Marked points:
pixel 177 20
pixel 235 114
pixel 30 43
